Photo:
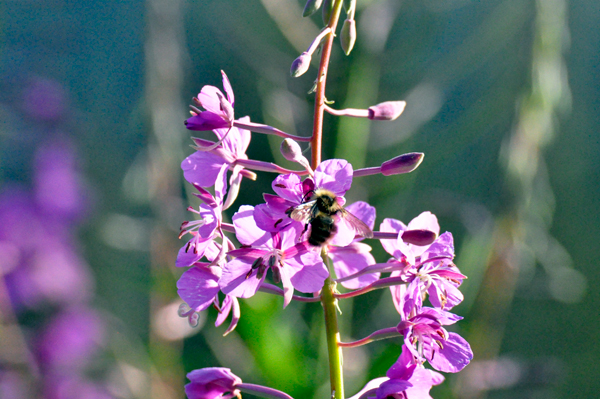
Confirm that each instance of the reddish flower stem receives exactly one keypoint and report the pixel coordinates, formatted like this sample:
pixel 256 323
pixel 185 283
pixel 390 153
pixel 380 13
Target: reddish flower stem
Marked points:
pixel 317 136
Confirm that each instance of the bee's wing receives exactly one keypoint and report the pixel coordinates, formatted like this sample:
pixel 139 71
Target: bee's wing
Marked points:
pixel 358 225
pixel 302 213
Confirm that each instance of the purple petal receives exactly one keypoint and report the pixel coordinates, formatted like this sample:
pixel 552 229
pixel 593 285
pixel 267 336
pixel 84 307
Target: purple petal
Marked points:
pixel 309 272
pixel 210 383
pixel 422 380
pixel 443 246
pixel 391 387
pixel 404 367
pixel 209 98
pixel 206 121
pixel 192 252
pixel 202 168
pixel 364 212
pixel 238 140
pixel 454 356
pixel 198 287
pixel 267 221
pixel 288 288
pixel 350 260
pixel 221 184
pixel 334 175
pixel 289 187
pixel 289 236
pixel 369 388
pixel 234 281
pixel 345 233
pixel 246 230
pixel 228 89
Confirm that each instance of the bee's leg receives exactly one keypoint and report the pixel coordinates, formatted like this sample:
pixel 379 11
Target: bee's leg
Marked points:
pixel 305 228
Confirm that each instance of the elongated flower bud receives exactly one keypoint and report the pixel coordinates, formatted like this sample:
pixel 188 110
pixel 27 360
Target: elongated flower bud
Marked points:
pixel 348 35
pixel 292 152
pixel 300 65
pixel 404 163
pixel 387 111
pixel 326 11
pixel 311 6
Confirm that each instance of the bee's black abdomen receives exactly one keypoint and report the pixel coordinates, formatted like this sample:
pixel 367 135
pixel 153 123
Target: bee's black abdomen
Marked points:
pixel 322 227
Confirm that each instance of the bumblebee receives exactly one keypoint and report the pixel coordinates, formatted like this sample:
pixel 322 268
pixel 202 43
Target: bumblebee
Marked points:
pixel 319 213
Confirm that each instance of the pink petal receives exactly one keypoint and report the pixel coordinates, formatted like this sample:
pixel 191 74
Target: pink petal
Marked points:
pixel 334 175
pixel 228 89
pixel 198 287
pixel 246 230
pixel 209 99
pixel 425 221
pixel 202 168
pixel 233 280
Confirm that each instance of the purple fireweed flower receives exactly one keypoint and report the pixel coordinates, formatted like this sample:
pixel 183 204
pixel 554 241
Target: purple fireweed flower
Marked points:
pixel 70 386
pixel 406 379
pixel 356 256
pixel 295 265
pixel 212 383
pixel 202 167
pixel 334 175
pixel 219 110
pixel 426 339
pixel 208 227
pixel 428 268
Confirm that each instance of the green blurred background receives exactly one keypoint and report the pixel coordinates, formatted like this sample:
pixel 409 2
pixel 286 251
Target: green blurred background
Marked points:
pixel 502 97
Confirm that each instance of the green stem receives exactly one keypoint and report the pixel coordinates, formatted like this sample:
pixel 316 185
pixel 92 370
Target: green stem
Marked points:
pixel 336 374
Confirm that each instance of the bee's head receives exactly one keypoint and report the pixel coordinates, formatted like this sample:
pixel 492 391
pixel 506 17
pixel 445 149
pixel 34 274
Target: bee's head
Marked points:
pixel 327 197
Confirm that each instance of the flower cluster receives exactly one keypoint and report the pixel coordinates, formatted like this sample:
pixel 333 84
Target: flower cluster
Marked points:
pixel 304 235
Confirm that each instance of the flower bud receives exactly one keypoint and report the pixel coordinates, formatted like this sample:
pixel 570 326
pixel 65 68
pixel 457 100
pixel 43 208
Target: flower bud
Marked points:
pixel 291 150
pixel 326 11
pixel 418 237
pixel 387 111
pixel 348 36
pixel 311 6
pixel 404 163
pixel 300 65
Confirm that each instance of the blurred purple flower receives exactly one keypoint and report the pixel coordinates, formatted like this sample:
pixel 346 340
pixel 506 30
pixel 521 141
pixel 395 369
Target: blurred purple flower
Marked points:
pixel 74 386
pixel 212 383
pixel 70 340
pixel 58 185
pixel 44 99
